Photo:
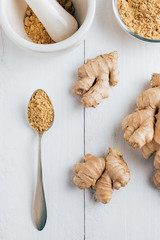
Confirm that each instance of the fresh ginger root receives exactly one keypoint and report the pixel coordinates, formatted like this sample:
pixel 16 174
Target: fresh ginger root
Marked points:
pixel 116 175
pixel 104 175
pixel 89 171
pixel 156 178
pixel 138 127
pixel 95 77
pixel 104 188
pixel 148 150
pixel 142 128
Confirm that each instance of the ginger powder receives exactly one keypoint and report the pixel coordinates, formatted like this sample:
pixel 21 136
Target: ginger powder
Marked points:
pixel 40 111
pixel 35 29
pixel 141 17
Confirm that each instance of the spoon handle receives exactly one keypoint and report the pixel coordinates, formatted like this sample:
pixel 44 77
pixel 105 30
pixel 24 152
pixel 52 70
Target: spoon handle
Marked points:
pixel 39 204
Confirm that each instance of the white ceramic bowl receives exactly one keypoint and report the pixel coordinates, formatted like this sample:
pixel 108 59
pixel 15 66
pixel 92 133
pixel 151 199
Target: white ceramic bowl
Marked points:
pixel 12 18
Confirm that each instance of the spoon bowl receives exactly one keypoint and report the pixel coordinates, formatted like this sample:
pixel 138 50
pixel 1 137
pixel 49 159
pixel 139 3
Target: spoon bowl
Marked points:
pixel 40 111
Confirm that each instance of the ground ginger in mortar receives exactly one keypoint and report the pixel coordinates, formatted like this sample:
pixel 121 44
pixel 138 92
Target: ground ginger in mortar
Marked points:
pixel 35 29
pixel 141 17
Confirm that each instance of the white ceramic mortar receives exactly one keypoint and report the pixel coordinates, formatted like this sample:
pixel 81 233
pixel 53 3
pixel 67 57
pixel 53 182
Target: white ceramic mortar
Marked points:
pixel 12 17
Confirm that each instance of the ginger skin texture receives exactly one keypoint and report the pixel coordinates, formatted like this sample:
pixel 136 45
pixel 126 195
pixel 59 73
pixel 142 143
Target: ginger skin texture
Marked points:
pixel 104 175
pixel 95 77
pixel 89 171
pixel 115 176
pixel 142 127
pixel 138 127
pixel 156 178
pixel 148 150
pixel 104 189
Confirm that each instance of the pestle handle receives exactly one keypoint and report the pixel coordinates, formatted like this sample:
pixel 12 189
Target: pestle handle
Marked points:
pixel 57 21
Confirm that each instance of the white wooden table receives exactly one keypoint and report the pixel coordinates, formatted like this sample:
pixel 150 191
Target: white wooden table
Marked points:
pixel 134 212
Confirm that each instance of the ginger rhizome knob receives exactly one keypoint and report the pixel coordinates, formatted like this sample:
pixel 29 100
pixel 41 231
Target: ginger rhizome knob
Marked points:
pixel 115 176
pixel 104 175
pixel 95 77
pixel 89 171
pixel 142 127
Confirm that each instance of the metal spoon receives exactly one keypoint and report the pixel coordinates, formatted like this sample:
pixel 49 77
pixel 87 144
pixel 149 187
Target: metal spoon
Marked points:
pixel 39 210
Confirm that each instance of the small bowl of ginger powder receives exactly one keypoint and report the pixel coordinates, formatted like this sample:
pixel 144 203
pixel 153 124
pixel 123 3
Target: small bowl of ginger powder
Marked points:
pixel 139 18
pixel 23 27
